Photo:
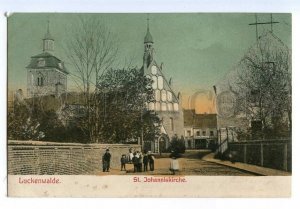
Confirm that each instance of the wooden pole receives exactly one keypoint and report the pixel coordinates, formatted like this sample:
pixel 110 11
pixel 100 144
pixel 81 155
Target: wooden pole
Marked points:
pixel 261 154
pixel 285 154
pixel 245 153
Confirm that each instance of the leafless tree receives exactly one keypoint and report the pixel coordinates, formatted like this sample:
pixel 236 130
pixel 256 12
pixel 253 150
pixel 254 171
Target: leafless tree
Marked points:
pixel 263 83
pixel 92 49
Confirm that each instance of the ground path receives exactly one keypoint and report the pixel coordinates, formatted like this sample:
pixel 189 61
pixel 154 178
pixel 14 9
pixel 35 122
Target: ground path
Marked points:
pixel 191 163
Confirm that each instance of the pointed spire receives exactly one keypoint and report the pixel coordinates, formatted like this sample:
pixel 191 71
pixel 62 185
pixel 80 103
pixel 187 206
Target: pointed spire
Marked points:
pixel 148 38
pixel 48 35
pixel 48 26
pixel 148 30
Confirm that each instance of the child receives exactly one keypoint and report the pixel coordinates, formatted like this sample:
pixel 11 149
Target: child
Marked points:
pixel 123 162
pixel 174 165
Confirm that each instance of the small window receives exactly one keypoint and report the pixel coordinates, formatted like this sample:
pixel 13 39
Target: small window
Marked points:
pixel 188 133
pixel 198 133
pixel 154 83
pixel 169 95
pixel 160 82
pixel 211 133
pixel 163 95
pixel 154 70
pixel 163 106
pixel 41 62
pixel 40 81
pixel 170 106
pixel 176 107
pixel 157 95
pixel 151 106
pixel 157 106
pixel 203 133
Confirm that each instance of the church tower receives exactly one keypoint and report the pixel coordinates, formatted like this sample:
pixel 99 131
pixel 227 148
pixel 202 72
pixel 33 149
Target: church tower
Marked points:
pixel 46 74
pixel 148 48
pixel 167 102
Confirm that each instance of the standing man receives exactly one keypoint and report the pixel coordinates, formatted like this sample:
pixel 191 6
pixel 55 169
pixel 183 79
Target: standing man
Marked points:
pixel 146 161
pixel 106 161
pixel 151 161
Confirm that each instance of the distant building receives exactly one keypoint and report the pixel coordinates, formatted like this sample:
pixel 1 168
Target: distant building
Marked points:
pixel 167 104
pixel 200 130
pixel 46 74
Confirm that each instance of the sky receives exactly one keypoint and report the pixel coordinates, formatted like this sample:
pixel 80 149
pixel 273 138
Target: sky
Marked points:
pixel 197 49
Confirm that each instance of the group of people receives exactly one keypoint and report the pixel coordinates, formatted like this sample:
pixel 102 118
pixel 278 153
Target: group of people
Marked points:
pixel 138 159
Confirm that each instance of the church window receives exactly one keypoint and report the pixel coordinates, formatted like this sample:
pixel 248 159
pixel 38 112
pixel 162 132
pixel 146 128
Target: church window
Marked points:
pixel 170 106
pixel 154 70
pixel 169 95
pixel 176 107
pixel 163 106
pixel 163 95
pixel 157 106
pixel 41 62
pixel 154 84
pixel 157 95
pixel 40 81
pixel 151 106
pixel 160 82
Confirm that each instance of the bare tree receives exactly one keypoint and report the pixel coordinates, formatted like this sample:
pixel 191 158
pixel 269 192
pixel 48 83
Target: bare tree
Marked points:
pixel 91 49
pixel 263 83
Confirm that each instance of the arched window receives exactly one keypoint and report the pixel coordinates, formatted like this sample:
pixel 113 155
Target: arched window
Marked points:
pixel 41 62
pixel 170 106
pixel 154 84
pixel 176 107
pixel 157 106
pixel 160 82
pixel 163 106
pixel 157 95
pixel 151 106
pixel 163 95
pixel 40 81
pixel 169 95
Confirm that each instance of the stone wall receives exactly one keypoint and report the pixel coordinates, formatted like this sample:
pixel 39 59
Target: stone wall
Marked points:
pixel 43 158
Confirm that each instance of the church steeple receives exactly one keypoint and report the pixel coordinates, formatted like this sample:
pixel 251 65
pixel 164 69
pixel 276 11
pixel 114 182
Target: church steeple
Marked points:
pixel 148 47
pixel 48 41
pixel 148 38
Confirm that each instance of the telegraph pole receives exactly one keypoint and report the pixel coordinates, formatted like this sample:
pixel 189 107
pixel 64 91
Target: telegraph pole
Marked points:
pixel 256 23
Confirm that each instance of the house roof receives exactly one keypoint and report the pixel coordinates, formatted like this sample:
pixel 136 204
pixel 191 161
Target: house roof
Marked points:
pixel 50 61
pixel 192 119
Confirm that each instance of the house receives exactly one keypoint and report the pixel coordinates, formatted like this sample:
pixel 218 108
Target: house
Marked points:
pixel 200 130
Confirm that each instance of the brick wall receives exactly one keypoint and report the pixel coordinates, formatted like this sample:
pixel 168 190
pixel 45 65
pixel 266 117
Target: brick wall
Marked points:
pixel 42 158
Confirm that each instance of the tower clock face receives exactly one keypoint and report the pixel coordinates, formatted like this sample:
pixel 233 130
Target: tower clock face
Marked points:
pixel 154 70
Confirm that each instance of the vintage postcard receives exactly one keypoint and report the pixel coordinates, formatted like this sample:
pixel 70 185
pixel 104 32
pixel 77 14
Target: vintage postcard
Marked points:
pixel 149 105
